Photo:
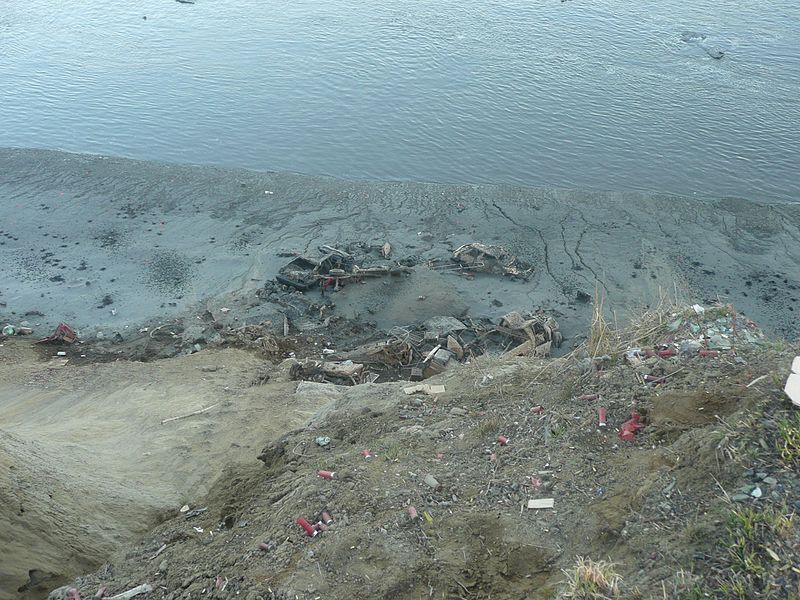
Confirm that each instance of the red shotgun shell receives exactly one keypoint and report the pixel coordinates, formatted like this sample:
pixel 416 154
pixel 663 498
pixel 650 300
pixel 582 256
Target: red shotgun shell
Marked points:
pixel 502 440
pixel 588 397
pixel 709 352
pixel 666 353
pixel 366 453
pixel 310 531
pixel 326 518
pixel 412 512
pixel 601 413
pixel 326 474
pixel 264 547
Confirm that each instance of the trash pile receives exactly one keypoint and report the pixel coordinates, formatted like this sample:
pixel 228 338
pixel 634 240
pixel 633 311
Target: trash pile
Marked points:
pixel 490 259
pixel 418 352
pixel 703 332
pixel 333 267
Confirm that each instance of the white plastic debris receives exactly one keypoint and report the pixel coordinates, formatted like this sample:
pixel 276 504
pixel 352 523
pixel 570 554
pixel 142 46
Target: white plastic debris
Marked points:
pixel 698 309
pixel 792 388
pixel 539 503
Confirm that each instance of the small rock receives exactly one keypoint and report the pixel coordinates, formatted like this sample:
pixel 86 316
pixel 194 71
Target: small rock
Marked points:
pixel 740 497
pixel 756 493
pixel 209 368
pixel 431 481
pixel 162 567
pixel 760 476
pixel 770 480
pixel 457 412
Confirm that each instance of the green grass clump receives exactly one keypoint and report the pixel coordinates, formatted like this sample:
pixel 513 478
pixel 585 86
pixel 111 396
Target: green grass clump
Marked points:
pixel 789 440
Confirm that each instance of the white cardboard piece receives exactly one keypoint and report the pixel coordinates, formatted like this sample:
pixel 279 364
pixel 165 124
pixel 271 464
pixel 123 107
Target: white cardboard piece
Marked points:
pixel 792 388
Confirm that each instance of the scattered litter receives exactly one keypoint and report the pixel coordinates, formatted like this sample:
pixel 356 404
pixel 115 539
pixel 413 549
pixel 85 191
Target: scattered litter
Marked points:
pixel 326 474
pixel 310 531
pixel 412 513
pixel 10 330
pixel 198 529
pixel 425 388
pixel 191 414
pixel 699 310
pixel 196 512
pixel 588 397
pixel 539 503
pixel 159 551
pixel 326 518
pixel 366 453
pixel 185 508
pixel 792 388
pixel 629 428
pixel 502 440
pixel 756 380
pixel 140 589
pixel 601 417
pixel 63 334
pixel 322 441
pixel 491 259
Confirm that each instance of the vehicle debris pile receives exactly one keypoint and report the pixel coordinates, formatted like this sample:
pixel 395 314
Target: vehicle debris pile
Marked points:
pixel 333 266
pixel 427 349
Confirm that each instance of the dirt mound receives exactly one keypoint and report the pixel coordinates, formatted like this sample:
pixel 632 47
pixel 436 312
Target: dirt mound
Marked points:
pixel 428 496
pixel 92 456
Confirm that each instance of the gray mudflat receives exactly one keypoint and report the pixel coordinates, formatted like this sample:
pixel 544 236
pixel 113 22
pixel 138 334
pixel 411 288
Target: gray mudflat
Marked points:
pixel 81 236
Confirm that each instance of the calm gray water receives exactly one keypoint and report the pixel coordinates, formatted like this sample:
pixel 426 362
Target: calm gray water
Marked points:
pixel 584 94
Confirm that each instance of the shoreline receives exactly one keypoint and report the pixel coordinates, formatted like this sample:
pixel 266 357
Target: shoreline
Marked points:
pixel 85 236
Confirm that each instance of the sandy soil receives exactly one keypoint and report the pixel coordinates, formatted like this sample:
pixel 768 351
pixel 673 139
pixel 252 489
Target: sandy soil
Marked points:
pixel 657 506
pixel 86 464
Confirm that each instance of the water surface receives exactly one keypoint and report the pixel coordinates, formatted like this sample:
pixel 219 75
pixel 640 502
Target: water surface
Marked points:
pixel 593 95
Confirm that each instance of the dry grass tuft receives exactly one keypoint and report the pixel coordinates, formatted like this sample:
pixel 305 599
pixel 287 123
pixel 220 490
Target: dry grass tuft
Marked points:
pixel 647 326
pixel 590 580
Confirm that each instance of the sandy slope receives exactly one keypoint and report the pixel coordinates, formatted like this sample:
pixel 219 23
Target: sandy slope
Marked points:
pixel 85 463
